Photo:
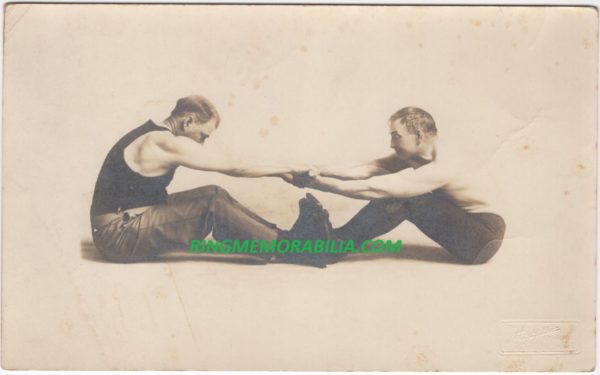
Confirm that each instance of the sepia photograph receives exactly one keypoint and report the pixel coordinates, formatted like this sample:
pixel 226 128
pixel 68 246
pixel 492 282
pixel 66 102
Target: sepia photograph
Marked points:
pixel 299 187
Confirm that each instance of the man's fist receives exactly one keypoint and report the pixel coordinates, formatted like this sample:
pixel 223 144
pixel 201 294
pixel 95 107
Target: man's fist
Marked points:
pixel 304 179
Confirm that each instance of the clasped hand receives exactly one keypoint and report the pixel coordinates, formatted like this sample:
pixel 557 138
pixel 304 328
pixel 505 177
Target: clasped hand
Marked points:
pixel 301 177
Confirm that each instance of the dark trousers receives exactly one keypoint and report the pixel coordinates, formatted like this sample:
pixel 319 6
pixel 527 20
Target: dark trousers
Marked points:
pixel 471 237
pixel 188 215
pixel 193 214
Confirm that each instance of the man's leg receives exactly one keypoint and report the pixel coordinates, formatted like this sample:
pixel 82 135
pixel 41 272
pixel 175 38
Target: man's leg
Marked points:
pixel 375 219
pixel 192 215
pixel 472 237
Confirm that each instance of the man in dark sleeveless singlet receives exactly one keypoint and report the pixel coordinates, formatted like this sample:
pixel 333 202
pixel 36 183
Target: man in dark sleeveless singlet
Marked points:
pixel 134 219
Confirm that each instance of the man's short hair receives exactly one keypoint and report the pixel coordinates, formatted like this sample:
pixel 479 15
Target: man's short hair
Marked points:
pixel 197 105
pixel 415 119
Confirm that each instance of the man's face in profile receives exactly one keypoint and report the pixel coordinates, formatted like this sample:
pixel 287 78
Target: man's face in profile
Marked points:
pixel 404 143
pixel 200 132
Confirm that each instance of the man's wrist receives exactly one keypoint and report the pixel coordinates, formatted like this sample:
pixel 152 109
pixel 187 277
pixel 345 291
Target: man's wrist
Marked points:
pixel 325 172
pixel 317 181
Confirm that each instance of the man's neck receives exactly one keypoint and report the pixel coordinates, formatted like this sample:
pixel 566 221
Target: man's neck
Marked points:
pixel 428 151
pixel 169 124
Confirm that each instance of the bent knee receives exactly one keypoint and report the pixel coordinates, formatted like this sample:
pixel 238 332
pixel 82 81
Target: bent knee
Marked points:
pixel 220 197
pixel 217 192
pixel 203 191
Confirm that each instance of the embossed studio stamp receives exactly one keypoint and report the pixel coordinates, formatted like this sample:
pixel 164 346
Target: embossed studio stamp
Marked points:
pixel 538 337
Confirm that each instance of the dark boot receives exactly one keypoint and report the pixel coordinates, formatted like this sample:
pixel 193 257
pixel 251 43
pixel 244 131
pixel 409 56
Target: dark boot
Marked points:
pixel 312 224
pixel 328 233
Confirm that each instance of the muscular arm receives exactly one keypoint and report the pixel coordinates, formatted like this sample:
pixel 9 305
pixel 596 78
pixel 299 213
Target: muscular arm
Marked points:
pixel 182 151
pixel 406 184
pixel 382 166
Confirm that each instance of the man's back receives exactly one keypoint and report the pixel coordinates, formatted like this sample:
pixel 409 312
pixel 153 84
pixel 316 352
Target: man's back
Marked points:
pixel 467 185
pixel 119 187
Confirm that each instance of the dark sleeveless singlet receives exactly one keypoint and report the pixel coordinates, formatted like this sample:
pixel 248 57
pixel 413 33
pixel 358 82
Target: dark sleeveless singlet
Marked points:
pixel 120 188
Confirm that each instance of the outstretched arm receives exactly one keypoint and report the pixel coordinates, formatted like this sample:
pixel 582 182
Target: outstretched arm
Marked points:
pixel 182 151
pixel 409 183
pixel 382 166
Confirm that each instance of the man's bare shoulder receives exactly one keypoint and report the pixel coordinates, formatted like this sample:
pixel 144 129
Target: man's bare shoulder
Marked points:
pixel 167 141
pixel 436 171
pixel 452 157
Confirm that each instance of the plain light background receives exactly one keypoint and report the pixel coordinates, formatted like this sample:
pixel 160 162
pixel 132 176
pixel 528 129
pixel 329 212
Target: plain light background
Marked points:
pixel 514 86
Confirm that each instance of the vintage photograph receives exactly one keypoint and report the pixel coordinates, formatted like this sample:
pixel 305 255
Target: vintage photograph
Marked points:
pixel 299 187
pixel 134 219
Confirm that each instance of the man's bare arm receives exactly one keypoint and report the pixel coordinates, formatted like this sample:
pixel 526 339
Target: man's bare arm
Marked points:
pixel 182 151
pixel 398 185
pixel 378 167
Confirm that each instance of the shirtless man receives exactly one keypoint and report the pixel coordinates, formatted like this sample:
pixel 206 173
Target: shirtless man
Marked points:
pixel 134 219
pixel 422 183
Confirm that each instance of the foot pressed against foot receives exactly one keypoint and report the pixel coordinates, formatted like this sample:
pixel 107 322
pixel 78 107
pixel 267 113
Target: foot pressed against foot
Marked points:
pixel 312 224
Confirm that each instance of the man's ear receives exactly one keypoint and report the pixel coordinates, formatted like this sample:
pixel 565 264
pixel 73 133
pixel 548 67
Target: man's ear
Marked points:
pixel 187 122
pixel 419 136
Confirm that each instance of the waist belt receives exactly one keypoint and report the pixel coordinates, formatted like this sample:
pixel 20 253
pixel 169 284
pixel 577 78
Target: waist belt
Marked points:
pixel 125 215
